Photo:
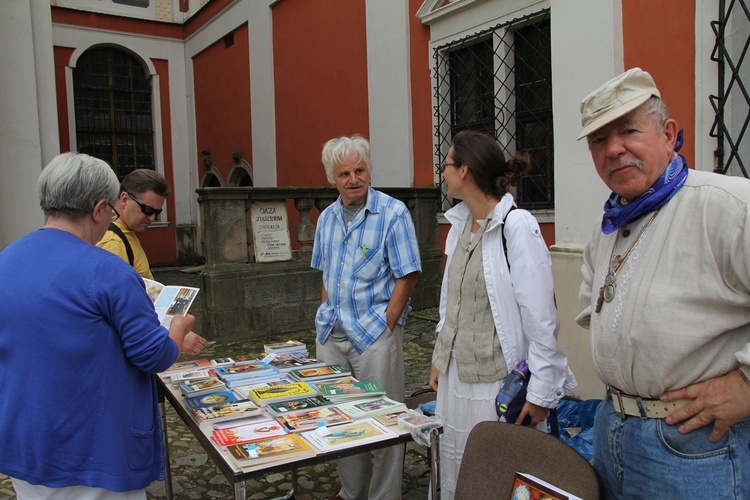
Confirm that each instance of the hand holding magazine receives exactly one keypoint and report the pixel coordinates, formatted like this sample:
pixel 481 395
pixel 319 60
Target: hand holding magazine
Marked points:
pixel 170 300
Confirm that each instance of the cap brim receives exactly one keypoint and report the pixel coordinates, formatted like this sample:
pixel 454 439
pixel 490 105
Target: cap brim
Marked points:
pixel 612 115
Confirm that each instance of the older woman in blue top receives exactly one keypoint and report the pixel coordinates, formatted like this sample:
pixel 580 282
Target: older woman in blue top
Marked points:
pixel 494 312
pixel 79 344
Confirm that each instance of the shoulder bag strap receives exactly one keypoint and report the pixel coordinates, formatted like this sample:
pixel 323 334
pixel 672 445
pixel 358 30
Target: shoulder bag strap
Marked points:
pixel 128 249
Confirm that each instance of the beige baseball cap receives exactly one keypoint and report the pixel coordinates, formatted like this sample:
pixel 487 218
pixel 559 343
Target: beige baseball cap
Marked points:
pixel 616 98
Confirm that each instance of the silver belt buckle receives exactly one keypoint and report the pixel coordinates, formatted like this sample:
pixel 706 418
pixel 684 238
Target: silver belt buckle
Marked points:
pixel 616 393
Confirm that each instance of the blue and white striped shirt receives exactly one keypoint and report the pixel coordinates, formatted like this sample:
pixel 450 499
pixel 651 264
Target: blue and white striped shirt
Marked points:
pixel 361 265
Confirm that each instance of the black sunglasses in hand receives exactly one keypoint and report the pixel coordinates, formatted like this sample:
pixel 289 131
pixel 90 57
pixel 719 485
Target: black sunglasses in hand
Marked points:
pixel 147 211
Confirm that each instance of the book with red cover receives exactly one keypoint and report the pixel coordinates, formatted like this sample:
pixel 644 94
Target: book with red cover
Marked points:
pixel 248 433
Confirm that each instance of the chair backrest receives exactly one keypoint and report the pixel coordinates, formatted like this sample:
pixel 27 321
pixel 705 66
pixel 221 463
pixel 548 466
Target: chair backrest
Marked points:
pixel 496 451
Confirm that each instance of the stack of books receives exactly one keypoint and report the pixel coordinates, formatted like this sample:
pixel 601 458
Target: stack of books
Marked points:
pixel 211 399
pixel 185 366
pixel 312 419
pixel 282 392
pixel 227 412
pixel 247 374
pixel 212 384
pixel 284 363
pixel 267 451
pixel 325 372
pixel 283 408
pixel 245 432
pixel 288 347
pixel 371 407
pixel 347 389
pixel 355 433
pixel 191 376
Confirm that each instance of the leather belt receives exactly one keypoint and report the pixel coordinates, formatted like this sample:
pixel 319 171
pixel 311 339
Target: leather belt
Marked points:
pixel 636 406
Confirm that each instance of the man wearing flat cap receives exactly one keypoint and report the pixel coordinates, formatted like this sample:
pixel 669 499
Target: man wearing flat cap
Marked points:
pixel 666 296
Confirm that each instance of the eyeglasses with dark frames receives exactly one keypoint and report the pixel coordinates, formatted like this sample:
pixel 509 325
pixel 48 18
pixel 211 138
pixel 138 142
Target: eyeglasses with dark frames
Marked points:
pixel 115 213
pixel 147 211
pixel 448 164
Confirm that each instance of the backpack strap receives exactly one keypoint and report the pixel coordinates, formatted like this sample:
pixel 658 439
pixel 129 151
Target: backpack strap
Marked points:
pixel 128 249
pixel 502 230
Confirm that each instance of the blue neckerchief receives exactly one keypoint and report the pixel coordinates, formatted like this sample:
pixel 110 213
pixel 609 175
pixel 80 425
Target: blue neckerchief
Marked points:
pixel 617 214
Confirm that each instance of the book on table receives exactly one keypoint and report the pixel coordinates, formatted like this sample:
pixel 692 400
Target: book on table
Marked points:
pixel 337 390
pixel 286 447
pixel 357 433
pixel 227 411
pixel 212 384
pixel 281 392
pixel 185 366
pixel 312 419
pixel 389 419
pixel 211 399
pixel 285 347
pixel 325 372
pixel 248 432
pixel 527 486
pixel 284 363
pixel 170 301
pixel 367 407
pixel 191 376
pixel 283 408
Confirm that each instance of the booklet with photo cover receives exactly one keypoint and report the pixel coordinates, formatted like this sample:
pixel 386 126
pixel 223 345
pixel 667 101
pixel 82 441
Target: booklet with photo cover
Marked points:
pixel 170 300
pixel 308 420
pixel 247 433
pixel 342 436
pixel 227 411
pixel 282 392
pixel 526 486
pixel 284 408
pixel 275 449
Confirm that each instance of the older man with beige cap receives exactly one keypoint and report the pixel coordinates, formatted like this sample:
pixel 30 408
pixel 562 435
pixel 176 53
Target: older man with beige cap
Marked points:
pixel 666 296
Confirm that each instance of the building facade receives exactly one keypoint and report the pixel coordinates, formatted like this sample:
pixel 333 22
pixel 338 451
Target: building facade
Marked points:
pixel 245 93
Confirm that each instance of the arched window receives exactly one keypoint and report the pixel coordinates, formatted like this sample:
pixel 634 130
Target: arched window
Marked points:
pixel 113 111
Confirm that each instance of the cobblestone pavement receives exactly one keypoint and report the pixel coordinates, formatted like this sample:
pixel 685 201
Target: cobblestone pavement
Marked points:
pixel 194 476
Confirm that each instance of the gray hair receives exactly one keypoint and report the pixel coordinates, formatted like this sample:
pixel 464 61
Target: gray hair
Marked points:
pixel 657 110
pixel 72 184
pixel 342 149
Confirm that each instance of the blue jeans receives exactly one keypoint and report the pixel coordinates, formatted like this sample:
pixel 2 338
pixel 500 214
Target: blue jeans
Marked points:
pixel 646 458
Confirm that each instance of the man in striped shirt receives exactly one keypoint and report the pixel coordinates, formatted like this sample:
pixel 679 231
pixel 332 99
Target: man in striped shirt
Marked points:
pixel 366 246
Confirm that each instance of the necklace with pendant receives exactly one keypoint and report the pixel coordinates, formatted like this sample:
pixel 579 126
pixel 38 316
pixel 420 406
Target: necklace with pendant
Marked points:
pixel 608 289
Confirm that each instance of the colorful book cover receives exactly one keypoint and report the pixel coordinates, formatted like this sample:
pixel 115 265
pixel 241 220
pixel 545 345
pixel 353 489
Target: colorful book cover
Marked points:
pixel 318 373
pixel 289 345
pixel 270 394
pixel 227 411
pixel 337 388
pixel 357 433
pixel 202 386
pixel 211 399
pixel 247 433
pixel 181 366
pixel 311 419
pixel 528 487
pixel 287 447
pixel 388 419
pixel 244 370
pixel 298 405
pixel 359 408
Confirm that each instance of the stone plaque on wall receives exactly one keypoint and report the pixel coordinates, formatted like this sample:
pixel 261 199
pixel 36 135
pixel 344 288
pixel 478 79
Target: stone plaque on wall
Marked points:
pixel 270 226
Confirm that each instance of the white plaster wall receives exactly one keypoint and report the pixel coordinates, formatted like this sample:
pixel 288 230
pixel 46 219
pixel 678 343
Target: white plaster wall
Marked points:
pixel 586 52
pixel 389 92
pixel 28 113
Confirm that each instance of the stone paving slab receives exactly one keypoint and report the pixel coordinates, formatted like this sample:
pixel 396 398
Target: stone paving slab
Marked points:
pixel 194 476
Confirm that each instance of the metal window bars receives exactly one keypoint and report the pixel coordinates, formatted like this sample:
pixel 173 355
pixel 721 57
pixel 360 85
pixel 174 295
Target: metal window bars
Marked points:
pixel 499 80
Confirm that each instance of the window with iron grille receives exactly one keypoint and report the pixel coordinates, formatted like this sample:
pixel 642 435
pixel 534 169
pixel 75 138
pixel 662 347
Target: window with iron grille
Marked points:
pixel 113 113
pixel 499 81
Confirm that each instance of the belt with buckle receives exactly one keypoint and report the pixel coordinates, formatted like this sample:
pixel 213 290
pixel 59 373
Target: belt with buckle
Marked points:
pixel 637 406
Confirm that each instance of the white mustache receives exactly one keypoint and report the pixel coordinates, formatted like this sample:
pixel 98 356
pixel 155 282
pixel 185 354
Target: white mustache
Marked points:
pixel 357 185
pixel 635 162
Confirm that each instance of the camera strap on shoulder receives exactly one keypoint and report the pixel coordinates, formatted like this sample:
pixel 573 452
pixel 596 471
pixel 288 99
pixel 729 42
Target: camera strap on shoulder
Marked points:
pixel 502 231
pixel 128 249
